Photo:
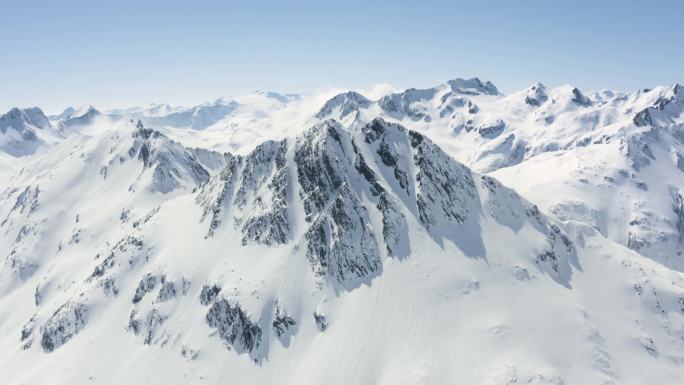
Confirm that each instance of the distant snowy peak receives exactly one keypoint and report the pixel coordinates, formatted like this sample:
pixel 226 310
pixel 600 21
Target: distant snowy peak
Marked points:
pixel 413 103
pixel 207 114
pixel 344 104
pixel 282 98
pixel 473 86
pixel 167 165
pixel 196 118
pixel 536 95
pixel 664 104
pixel 19 119
pixel 569 96
pixel 159 110
pixel 82 117
pixel 19 130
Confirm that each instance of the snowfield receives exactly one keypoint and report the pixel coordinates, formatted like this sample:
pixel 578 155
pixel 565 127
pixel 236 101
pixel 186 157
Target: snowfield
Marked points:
pixel 450 235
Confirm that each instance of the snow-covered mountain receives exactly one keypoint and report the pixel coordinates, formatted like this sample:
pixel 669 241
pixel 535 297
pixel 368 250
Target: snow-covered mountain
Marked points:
pixel 613 161
pixel 347 239
pixel 21 131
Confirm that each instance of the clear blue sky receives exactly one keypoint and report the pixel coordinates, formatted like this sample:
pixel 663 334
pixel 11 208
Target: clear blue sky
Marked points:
pixel 121 53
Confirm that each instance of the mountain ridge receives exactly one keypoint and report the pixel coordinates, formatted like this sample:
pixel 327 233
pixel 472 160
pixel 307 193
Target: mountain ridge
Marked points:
pixel 273 258
pixel 365 241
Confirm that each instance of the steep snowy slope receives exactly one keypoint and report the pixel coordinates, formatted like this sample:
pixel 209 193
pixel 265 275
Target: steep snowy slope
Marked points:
pixel 340 256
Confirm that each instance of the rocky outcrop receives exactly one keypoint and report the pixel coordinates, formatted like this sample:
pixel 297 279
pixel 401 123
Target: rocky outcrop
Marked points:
pixel 340 242
pixel 233 326
pixel 446 191
pixel 146 285
pixel 282 323
pixel 536 95
pixel 332 173
pixel 580 99
pixel 491 130
pixel 209 294
pixel 215 196
pixel 321 322
pixel 265 185
pixel 65 323
pixel 679 213
pixel 173 165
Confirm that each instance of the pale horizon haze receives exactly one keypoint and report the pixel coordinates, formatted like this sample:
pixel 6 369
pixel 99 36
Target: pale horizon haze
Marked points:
pixel 124 53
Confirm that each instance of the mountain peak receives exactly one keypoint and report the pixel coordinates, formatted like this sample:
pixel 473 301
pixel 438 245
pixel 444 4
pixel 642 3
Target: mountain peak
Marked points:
pixel 19 118
pixel 472 86
pixel 346 103
pixel 536 95
pixel 580 98
pixel 571 94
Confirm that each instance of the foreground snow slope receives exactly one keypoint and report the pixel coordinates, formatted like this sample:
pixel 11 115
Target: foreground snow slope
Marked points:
pixel 338 255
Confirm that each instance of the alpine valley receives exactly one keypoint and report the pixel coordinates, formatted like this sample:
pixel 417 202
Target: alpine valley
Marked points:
pixel 448 235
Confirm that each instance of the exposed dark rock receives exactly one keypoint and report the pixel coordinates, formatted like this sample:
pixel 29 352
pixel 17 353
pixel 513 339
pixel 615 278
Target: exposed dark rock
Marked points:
pixel 375 131
pixel 167 291
pixel 549 257
pixel 635 243
pixel 37 295
pixel 559 245
pixel 445 188
pixel 64 324
pixel 679 213
pixel 128 246
pixel 536 95
pixel 174 165
pixel 147 284
pixel 318 169
pixel 27 329
pixel 394 226
pixel 208 294
pixel 643 118
pixel 473 86
pixel 580 99
pixel 321 322
pixel 282 323
pixel 491 130
pixel 234 326
pixel 272 227
pixel 216 195
pixel 105 265
pixel 341 243
pixel 27 200
pixel 109 287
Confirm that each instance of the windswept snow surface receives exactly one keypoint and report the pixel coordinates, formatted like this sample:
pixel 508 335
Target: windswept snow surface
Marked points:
pixel 349 238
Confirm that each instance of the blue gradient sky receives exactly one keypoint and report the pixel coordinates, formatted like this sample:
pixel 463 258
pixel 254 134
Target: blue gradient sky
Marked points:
pixel 122 53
